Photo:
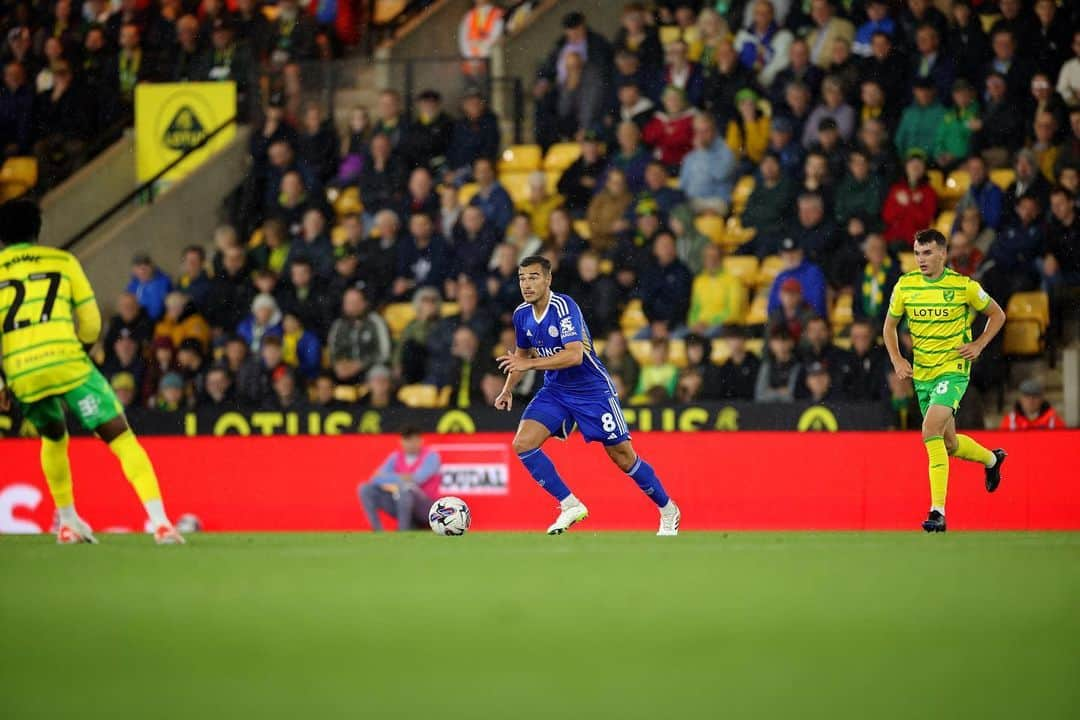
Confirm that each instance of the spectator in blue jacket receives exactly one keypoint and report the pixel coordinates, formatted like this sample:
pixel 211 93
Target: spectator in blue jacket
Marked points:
pixel 877 20
pixel 665 288
pixel 811 278
pixel 149 285
pixel 708 171
pixel 475 135
pixel 491 197
pixel 982 194
pixel 264 321
pixel 300 348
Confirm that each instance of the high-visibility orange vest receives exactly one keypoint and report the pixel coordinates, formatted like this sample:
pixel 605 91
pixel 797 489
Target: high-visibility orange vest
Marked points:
pixel 479 30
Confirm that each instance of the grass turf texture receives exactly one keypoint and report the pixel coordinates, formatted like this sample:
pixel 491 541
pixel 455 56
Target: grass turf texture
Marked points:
pixel 586 625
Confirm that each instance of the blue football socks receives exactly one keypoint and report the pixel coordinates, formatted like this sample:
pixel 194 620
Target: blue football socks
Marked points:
pixel 543 471
pixel 645 477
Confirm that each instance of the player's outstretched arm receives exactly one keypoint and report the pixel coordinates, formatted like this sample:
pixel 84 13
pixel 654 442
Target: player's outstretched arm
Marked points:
pixel 995 320
pixel 901 366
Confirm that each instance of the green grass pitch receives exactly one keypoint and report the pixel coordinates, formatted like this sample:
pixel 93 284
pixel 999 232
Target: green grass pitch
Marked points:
pixel 510 626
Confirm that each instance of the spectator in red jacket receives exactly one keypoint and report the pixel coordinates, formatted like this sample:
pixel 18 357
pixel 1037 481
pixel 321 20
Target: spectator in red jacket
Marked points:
pixel 671 132
pixel 1032 411
pixel 911 204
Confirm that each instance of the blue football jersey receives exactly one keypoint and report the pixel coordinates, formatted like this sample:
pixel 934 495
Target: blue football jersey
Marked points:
pixel 561 323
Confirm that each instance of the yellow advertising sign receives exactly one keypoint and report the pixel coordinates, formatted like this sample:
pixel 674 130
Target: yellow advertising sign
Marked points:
pixel 172 118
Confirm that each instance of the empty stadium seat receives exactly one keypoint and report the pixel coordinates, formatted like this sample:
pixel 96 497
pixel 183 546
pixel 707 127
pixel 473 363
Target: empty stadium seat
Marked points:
pixel 956 185
pixel 937 181
pixel 561 156
pixel 348 202
pixel 758 314
pixel 397 316
pixel 551 182
pixel 633 318
pixel 711 226
pixel 944 223
pixel 677 353
pixel 517 184
pixel 741 194
pixel 520 158
pixel 907 262
pixel 842 314
pixel 450 308
pixel 770 268
pixel 720 352
pixel 1028 315
pixel 744 267
pixel 419 396
pixel 735 235
pixel 465 192
pixel 669 34
pixel 1003 177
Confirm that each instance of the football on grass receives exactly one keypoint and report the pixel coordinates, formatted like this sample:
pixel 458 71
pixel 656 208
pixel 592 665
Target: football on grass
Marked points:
pixel 449 516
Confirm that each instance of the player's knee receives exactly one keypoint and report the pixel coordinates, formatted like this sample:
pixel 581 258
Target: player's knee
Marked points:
pixel 523 444
pixel 951 444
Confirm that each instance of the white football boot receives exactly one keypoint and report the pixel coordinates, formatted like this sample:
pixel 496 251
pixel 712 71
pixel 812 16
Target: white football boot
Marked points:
pixel 669 520
pixel 568 516
pixel 74 533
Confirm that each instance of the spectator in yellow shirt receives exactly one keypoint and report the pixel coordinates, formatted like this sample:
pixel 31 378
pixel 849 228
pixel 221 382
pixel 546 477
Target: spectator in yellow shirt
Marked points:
pixel 716 297
pixel 748 133
pixel 540 203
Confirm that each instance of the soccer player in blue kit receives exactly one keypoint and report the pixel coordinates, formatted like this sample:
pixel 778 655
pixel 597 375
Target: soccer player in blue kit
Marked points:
pixel 552 336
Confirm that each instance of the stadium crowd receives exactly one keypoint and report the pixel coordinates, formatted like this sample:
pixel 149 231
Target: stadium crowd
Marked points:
pixel 728 191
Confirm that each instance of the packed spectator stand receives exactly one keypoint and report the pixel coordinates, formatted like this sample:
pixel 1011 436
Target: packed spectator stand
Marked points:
pixel 729 191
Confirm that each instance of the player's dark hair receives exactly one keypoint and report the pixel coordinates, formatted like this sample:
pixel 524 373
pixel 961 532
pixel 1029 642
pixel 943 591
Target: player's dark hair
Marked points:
pixel 930 235
pixel 20 222
pixel 536 260
pixel 410 431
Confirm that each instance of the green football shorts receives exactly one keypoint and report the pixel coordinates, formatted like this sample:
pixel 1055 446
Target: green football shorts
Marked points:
pixel 945 390
pixel 94 403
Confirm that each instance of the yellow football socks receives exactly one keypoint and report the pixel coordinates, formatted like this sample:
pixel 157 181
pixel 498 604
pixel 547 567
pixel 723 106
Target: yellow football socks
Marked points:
pixel 939 470
pixel 137 467
pixel 968 449
pixel 57 469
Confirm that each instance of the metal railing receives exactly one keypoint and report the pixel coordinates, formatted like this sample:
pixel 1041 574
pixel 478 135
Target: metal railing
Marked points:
pixel 146 191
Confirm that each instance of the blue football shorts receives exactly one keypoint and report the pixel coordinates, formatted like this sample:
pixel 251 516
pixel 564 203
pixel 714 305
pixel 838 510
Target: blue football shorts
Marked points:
pixel 598 415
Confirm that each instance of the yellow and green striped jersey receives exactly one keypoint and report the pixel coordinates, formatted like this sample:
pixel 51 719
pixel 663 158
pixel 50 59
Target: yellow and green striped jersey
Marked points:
pixel 47 313
pixel 939 315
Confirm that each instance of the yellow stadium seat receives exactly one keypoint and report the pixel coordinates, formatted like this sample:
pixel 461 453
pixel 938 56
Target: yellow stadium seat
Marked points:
pixel 736 235
pixel 756 346
pixel 711 226
pixel 517 184
pixel 348 202
pixel 937 181
pixel 1028 315
pixel 1003 177
pixel 953 189
pixel 581 227
pixel 465 192
pixel 450 308
pixel 551 182
pixel 419 396
pixel 669 34
pixel 744 267
pixel 758 314
pixel 19 172
pixel 397 316
pixel 720 352
pixel 741 194
pixel 988 22
pixel 944 223
pixel 520 158
pixel 770 268
pixel 842 314
pixel 561 156
pixel 339 236
pixel 387 10
pixel 633 318
pixel 256 238
pixel 907 262
pixel 639 349
pixel 677 353
pixel 348 393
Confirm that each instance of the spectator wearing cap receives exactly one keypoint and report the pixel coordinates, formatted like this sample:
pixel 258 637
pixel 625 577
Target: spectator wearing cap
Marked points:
pixel 631 156
pixel 475 135
pixel 1002 129
pixel 818 384
pixel 149 285
pixel 300 347
pixel 717 298
pixel 748 132
pixel 779 373
pixel 182 321
pixel 793 313
pixel 911 204
pixel 404 486
pixel 827 27
pixel 707 175
pixel 982 194
pixel 860 193
pixel 585 176
pixel 171 394
pixel 763 44
pixel 770 204
pixel 380 390
pixel 671 131
pixel 254 378
pixel 952 140
pixel 428 137
pixel 920 121
pixel 737 376
pixel 358 340
pixel 833 106
pixel 783 142
pixel 665 288
pixel 874 280
pixel 809 276
pixel 1032 411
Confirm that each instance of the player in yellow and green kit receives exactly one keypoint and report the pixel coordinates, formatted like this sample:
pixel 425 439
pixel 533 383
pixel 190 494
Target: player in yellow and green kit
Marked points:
pixel 47 314
pixel 940 305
